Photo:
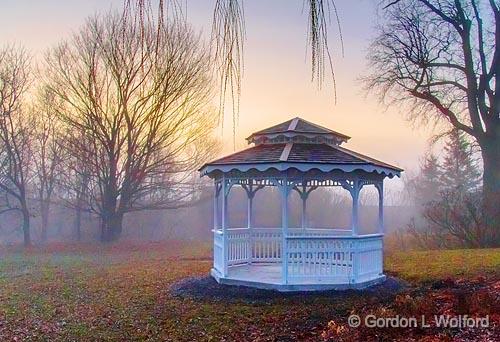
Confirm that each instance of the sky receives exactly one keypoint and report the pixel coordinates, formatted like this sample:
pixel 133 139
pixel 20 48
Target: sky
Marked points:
pixel 277 76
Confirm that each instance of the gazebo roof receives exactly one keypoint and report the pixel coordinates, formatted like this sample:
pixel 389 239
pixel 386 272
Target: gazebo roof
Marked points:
pixel 302 145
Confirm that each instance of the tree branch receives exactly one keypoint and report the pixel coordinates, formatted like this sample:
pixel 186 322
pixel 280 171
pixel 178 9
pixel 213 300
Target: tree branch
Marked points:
pixel 446 111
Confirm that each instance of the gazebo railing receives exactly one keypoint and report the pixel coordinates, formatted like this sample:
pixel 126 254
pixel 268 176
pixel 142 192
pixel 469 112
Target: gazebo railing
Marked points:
pixel 264 244
pixel 334 259
pixel 330 255
pixel 239 248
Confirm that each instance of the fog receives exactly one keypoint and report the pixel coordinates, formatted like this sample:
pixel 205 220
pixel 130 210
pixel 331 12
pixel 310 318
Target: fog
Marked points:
pixel 326 208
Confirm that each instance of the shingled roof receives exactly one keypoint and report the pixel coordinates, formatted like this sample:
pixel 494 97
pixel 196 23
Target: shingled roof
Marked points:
pixel 297 151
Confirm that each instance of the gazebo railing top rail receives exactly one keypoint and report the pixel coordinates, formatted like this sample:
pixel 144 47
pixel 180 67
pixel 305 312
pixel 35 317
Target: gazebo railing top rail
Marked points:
pixel 364 236
pixel 291 229
pixel 300 232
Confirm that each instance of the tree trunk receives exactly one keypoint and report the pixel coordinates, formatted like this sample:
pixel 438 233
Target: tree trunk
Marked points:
pixel 104 230
pixel 117 226
pixel 26 226
pixel 111 227
pixel 490 150
pixel 45 207
pixel 78 224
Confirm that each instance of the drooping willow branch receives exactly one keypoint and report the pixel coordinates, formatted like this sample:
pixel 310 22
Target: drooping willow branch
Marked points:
pixel 319 16
pixel 228 36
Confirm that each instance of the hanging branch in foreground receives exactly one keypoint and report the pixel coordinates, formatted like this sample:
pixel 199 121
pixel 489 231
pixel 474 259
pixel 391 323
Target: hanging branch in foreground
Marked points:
pixel 228 33
pixel 319 16
pixel 228 36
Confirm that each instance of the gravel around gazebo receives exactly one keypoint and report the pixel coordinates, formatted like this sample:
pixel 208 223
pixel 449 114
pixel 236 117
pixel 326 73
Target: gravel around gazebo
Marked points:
pixel 207 289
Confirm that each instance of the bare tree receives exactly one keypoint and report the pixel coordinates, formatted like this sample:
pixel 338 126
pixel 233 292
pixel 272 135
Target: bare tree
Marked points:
pixel 15 133
pixel 453 220
pixel 442 59
pixel 138 93
pixel 74 180
pixel 48 154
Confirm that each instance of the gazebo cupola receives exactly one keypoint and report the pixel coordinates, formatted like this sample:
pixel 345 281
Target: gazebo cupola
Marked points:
pixel 300 156
pixel 297 131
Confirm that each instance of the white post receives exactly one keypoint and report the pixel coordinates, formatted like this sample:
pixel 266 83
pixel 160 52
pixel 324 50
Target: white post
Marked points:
pixel 380 189
pixel 355 202
pixel 216 225
pixel 250 195
pixel 249 211
pixel 355 229
pixel 304 211
pixel 216 207
pixel 224 220
pixel 284 226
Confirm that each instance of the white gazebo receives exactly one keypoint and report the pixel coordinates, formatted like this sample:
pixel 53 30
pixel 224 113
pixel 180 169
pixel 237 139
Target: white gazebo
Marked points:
pixel 296 155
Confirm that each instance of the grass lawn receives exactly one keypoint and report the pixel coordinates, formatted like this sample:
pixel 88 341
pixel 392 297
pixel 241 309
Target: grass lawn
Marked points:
pixel 122 292
pixel 425 266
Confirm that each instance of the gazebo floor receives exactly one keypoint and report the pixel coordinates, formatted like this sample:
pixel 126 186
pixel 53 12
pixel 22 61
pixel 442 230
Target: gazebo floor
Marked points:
pixel 268 276
pixel 263 273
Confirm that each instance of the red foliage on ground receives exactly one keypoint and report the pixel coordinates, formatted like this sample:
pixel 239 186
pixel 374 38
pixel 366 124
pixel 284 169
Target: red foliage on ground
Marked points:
pixel 468 299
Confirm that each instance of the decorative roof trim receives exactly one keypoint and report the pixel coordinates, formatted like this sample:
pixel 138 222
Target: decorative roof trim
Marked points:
pixel 290 134
pixel 295 132
pixel 303 167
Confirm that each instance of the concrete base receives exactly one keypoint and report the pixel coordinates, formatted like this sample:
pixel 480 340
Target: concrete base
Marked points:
pixel 268 277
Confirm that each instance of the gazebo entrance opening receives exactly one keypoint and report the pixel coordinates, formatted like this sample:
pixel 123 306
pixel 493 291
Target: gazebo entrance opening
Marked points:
pixel 302 157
